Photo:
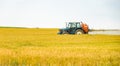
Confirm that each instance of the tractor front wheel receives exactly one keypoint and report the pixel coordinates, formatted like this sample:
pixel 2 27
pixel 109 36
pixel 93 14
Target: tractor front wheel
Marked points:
pixel 65 32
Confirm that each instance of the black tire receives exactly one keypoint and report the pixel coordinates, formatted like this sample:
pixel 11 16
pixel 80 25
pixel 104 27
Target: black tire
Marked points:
pixel 65 32
pixel 79 31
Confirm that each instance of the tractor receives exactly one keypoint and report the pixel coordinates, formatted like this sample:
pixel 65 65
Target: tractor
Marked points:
pixel 74 28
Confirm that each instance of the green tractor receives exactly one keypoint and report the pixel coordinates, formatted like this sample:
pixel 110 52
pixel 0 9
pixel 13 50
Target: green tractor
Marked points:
pixel 74 28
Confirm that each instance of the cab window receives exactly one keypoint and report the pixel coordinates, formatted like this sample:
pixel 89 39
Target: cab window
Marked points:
pixel 78 25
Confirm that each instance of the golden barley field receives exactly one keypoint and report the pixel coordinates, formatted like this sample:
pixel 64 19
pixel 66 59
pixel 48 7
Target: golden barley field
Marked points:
pixel 43 47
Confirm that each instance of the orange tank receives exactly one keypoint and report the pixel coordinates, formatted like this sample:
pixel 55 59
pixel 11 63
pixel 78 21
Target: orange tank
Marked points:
pixel 85 27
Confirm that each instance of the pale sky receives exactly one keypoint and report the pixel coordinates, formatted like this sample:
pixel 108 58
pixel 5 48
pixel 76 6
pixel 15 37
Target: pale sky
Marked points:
pixel 98 14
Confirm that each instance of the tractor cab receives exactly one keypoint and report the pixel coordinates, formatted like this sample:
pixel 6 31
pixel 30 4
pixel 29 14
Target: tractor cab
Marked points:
pixel 74 28
pixel 73 25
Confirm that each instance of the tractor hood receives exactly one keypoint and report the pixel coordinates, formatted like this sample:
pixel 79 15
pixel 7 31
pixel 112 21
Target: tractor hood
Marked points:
pixel 62 30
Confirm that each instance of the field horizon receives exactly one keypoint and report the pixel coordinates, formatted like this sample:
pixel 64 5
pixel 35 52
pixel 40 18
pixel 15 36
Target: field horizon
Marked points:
pixel 43 47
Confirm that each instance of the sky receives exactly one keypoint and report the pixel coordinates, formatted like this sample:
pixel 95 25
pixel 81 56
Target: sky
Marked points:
pixel 98 14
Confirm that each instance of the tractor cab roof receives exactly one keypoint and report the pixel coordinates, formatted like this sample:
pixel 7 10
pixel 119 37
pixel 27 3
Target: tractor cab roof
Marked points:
pixel 73 22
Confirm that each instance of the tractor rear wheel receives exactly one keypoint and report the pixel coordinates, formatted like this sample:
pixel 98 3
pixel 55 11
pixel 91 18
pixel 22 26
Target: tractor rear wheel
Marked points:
pixel 79 31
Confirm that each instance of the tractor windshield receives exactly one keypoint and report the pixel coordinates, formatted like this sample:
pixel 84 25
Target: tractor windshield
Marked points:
pixel 71 25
